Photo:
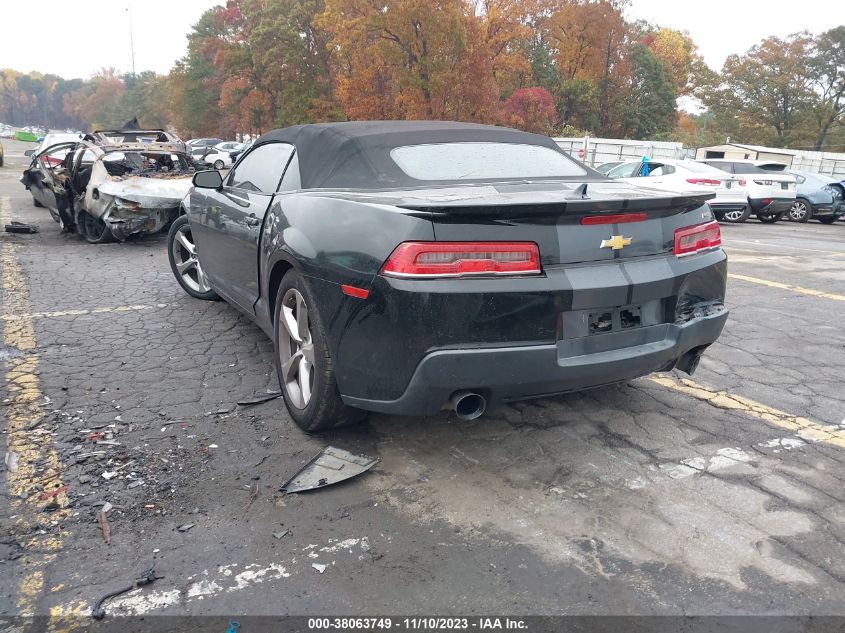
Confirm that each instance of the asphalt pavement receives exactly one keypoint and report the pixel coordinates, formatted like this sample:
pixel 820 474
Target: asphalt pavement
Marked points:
pixel 722 494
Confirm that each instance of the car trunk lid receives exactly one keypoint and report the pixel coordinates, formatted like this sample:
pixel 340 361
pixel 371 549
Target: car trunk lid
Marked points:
pixel 570 222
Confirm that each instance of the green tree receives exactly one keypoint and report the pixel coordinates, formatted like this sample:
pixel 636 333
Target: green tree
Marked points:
pixel 650 110
pixel 826 66
pixel 768 88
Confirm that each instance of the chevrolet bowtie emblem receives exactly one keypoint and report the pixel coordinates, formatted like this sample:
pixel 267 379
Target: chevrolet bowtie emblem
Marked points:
pixel 616 242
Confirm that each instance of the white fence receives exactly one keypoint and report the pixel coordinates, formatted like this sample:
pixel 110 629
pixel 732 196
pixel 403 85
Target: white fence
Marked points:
pixel 828 163
pixel 605 150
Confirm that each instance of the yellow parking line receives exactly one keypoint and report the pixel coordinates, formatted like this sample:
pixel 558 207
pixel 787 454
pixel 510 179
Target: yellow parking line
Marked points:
pixel 22 413
pixel 78 312
pixel 803 427
pixel 800 289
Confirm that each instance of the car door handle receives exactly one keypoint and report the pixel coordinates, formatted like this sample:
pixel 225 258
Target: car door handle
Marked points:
pixel 251 220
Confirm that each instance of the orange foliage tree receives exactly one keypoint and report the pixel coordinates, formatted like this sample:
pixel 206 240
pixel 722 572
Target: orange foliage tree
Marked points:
pixel 410 59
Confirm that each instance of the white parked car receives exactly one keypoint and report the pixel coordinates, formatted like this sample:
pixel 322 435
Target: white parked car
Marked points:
pixel 771 194
pixel 687 175
pixel 218 156
pixel 221 156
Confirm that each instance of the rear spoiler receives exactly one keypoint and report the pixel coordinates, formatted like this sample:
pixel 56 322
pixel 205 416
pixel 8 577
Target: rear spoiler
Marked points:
pixel 654 206
pixel 488 201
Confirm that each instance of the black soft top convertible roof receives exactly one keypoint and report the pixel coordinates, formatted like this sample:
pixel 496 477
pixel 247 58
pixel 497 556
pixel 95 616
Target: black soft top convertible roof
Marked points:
pixel 356 155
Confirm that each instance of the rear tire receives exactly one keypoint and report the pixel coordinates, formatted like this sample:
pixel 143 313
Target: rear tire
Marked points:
pixel 737 217
pixel 182 253
pixel 800 211
pixel 94 229
pixel 303 362
pixel 769 218
pixel 218 164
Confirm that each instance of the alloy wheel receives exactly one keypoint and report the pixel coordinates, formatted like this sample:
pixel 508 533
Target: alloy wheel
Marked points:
pixel 296 349
pixel 185 256
pixel 798 211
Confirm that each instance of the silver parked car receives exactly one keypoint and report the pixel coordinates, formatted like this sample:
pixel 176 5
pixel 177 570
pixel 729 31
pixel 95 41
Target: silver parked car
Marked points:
pixel 818 197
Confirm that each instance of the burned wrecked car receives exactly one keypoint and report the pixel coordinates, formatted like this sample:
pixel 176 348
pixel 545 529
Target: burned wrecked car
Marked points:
pixel 112 184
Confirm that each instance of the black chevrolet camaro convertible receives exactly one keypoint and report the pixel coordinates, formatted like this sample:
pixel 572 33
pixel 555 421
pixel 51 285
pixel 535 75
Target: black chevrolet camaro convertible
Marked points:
pixel 406 267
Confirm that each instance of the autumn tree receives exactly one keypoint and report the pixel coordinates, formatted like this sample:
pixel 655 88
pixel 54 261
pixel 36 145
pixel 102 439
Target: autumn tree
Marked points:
pixel 195 81
pixel 677 52
pixel 588 43
pixel 290 59
pixel 531 109
pixel 409 59
pixel 506 33
pixel 99 101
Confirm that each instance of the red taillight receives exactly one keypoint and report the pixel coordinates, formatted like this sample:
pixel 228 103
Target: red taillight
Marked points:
pixel 455 259
pixel 618 218
pixel 692 239
pixel 704 181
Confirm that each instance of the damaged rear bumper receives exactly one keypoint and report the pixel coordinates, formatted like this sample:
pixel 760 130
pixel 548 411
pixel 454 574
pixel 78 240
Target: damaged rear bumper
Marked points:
pixel 143 222
pixel 138 206
pixel 514 373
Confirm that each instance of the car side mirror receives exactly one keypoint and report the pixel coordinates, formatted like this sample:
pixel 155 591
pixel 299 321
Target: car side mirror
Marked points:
pixel 29 152
pixel 208 179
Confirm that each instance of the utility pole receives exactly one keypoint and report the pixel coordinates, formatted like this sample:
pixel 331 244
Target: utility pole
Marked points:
pixel 131 38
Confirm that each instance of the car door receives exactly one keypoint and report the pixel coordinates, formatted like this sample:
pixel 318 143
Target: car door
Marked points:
pixel 229 222
pixel 45 174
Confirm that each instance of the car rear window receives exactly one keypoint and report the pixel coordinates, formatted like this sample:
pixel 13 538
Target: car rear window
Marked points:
pixel 700 168
pixel 747 168
pixel 483 160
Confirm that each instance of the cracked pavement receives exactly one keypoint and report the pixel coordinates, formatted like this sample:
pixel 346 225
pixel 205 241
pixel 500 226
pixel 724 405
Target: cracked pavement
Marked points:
pixel 720 495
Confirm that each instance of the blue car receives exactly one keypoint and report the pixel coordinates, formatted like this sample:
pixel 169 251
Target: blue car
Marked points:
pixel 818 197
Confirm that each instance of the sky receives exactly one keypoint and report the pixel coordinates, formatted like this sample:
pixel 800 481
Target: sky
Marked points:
pixel 76 38
pixel 95 33
pixel 723 27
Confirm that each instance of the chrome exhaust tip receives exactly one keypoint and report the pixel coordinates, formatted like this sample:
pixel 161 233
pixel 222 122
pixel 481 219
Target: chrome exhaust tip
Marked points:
pixel 468 405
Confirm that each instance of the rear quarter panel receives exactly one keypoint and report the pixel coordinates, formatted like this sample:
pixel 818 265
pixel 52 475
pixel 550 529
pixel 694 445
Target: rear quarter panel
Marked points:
pixel 330 242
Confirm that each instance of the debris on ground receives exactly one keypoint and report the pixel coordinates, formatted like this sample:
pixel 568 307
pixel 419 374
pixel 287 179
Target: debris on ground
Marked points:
pixel 185 527
pixel 103 521
pixel 281 534
pixel 148 577
pixel 331 466
pixel 52 493
pixel 260 398
pixel 12 461
pixel 253 493
pixel 21 227
pixel 319 567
